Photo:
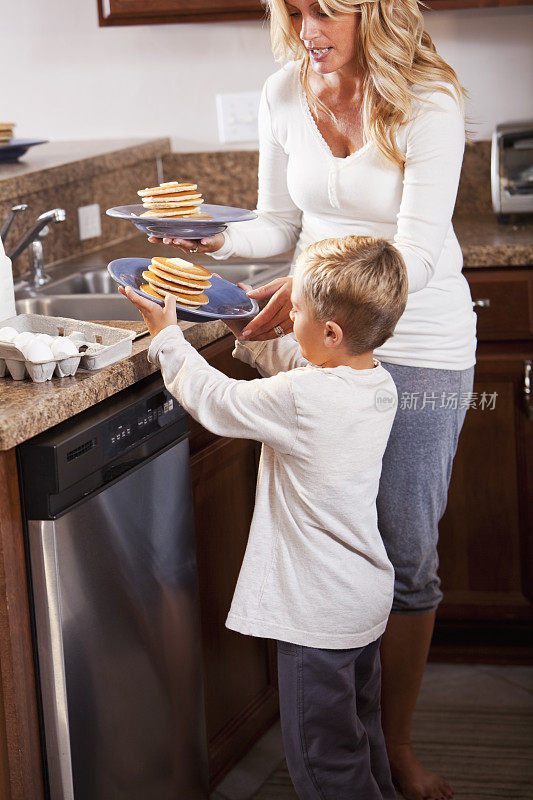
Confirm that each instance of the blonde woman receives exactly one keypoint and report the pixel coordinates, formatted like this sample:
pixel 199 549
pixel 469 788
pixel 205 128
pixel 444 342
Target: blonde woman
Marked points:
pixel 362 132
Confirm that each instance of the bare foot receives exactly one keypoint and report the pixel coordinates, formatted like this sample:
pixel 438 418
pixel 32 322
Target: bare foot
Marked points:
pixel 413 780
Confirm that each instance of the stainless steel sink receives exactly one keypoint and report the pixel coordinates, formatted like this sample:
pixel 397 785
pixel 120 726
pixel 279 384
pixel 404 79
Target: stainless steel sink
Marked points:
pixel 91 294
pixel 252 274
pixel 79 306
pixel 91 282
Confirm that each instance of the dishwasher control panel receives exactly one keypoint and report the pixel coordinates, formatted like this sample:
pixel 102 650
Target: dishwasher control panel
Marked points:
pixel 139 421
pixel 86 452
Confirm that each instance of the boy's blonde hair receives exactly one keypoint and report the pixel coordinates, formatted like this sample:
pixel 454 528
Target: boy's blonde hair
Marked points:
pixel 360 283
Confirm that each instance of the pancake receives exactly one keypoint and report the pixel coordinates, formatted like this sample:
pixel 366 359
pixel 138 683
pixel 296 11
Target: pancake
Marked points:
pixel 171 199
pixel 177 205
pixel 189 300
pixel 6 131
pixel 148 289
pixel 161 296
pixel 187 207
pixel 178 266
pixel 175 212
pixel 167 188
pixel 188 285
pixel 160 284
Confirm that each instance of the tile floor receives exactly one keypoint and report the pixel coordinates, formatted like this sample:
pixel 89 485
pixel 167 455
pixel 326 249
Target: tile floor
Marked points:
pixel 462 690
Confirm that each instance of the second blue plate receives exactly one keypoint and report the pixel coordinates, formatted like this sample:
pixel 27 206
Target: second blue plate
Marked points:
pixel 226 301
pixel 191 228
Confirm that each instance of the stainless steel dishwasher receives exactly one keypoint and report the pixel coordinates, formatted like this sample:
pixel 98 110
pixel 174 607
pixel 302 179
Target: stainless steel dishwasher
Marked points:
pixel 110 542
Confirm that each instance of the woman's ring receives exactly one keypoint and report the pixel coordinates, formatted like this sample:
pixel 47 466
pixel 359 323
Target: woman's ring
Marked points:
pixel 193 250
pixel 278 330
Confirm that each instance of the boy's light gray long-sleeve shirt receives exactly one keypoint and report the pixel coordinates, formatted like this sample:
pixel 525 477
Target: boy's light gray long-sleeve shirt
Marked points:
pixel 315 571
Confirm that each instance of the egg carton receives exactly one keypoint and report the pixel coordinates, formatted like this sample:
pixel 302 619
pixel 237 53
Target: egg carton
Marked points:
pixel 98 346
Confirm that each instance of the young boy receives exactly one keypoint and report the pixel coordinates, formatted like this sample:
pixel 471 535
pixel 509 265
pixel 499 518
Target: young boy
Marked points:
pixel 315 574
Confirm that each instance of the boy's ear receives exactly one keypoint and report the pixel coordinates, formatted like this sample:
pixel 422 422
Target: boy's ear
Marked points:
pixel 333 334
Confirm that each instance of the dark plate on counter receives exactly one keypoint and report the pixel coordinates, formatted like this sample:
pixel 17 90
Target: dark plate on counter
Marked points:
pixel 16 148
pixel 182 228
pixel 226 301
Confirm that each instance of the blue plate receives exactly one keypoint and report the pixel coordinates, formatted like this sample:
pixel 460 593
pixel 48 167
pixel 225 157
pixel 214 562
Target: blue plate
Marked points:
pixel 16 148
pixel 183 228
pixel 226 301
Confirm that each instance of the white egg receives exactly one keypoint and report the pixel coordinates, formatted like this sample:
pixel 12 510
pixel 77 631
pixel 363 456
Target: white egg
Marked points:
pixel 23 338
pixel 7 334
pixel 37 351
pixel 63 347
pixel 76 336
pixel 45 337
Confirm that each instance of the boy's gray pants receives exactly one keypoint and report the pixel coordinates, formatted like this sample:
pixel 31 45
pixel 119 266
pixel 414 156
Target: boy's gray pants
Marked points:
pixel 330 709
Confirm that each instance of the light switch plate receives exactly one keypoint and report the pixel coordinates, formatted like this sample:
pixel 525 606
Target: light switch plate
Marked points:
pixel 237 116
pixel 89 221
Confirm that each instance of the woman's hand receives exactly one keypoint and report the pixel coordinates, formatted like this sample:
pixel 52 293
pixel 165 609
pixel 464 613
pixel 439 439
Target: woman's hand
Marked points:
pixel 276 311
pixel 156 318
pixel 208 245
pixel 236 326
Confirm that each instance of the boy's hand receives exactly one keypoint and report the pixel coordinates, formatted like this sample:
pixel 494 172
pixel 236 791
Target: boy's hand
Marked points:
pixel 156 318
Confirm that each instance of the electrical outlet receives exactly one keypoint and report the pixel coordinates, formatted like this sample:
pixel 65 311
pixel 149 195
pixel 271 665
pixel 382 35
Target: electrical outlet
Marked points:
pixel 237 116
pixel 89 222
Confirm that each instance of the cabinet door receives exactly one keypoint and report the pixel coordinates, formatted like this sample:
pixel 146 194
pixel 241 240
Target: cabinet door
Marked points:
pixel 240 690
pixel 503 300
pixel 139 12
pixel 486 533
pixel 239 671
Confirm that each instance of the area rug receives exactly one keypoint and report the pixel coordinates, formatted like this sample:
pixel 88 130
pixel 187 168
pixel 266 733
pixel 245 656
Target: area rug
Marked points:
pixel 486 754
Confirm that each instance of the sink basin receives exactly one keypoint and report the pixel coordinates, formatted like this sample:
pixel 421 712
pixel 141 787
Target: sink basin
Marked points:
pixel 80 306
pixel 91 282
pixel 253 274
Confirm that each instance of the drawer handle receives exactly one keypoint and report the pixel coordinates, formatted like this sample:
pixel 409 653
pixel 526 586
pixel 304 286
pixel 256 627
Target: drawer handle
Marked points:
pixel 526 394
pixel 483 303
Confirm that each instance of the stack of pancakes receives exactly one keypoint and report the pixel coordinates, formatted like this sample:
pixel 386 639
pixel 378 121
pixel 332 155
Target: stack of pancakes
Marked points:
pixel 187 282
pixel 172 199
pixel 6 131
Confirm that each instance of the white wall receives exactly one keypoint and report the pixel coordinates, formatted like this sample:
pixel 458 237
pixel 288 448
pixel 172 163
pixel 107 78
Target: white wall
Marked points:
pixel 63 77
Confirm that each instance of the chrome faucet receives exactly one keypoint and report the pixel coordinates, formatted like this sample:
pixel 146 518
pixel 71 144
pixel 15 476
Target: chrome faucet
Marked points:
pixel 6 225
pixel 32 239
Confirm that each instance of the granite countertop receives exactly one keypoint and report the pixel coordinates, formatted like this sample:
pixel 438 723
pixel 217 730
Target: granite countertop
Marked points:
pixel 28 408
pixel 487 243
pixel 49 165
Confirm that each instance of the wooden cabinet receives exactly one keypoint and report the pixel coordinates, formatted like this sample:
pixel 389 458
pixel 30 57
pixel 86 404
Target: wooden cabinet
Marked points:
pixel 141 12
pixel 486 534
pixel 21 776
pixel 239 671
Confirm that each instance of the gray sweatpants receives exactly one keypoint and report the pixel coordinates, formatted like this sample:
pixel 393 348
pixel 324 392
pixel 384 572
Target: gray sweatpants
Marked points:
pixel 417 467
pixel 330 710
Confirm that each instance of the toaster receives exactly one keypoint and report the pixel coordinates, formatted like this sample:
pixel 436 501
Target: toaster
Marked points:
pixel 512 169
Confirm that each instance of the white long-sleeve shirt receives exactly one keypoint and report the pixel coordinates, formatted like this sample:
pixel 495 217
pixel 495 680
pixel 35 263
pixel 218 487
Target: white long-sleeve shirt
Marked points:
pixel 315 571
pixel 306 194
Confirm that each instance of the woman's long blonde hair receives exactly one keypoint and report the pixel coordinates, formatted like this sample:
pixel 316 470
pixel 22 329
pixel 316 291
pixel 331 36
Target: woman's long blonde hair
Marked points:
pixel 395 53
